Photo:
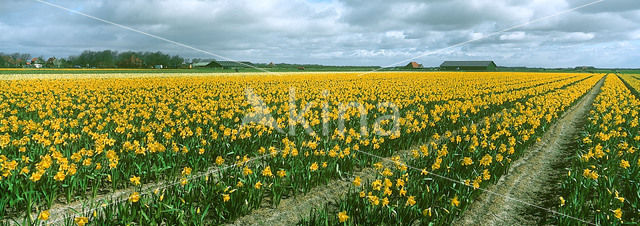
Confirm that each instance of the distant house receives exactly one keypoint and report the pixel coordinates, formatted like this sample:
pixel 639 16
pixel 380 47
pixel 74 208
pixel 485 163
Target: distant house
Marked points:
pixel 37 65
pixel 468 66
pixel 413 65
pixel 37 60
pixel 158 66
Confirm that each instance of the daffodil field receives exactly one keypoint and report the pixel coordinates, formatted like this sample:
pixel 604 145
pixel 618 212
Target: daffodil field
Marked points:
pixel 479 154
pixel 206 150
pixel 602 184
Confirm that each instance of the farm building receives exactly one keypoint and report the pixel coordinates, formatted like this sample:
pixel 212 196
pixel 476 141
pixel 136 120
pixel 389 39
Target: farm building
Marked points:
pixel 201 64
pixel 224 64
pixel 413 65
pixel 468 66
pixel 233 64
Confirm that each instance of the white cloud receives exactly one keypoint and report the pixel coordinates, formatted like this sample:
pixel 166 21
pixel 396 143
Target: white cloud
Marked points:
pixel 343 32
pixel 635 34
pixel 513 36
pixel 476 35
pixel 395 34
pixel 574 36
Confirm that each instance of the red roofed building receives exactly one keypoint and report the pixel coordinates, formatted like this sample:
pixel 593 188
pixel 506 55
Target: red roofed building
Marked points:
pixel 37 60
pixel 414 65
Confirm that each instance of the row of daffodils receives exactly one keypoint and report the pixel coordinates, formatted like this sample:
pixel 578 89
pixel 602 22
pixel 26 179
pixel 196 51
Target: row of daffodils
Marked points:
pixel 261 138
pixel 437 181
pixel 602 182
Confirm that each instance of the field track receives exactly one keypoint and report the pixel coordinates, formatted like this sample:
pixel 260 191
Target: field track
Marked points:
pixel 291 209
pixel 532 178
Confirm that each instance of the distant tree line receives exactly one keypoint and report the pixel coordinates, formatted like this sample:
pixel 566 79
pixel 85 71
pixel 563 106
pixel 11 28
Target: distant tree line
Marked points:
pixel 14 60
pixel 96 59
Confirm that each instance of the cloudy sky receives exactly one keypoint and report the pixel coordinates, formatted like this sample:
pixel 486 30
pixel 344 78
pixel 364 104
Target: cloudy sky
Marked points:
pixel 336 32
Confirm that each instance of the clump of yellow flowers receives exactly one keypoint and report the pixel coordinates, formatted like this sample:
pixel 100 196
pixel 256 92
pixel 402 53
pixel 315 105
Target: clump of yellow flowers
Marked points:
pixel 266 137
pixel 608 147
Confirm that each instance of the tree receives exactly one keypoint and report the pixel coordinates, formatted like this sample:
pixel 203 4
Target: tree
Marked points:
pixel 100 59
pixel 49 62
pixel 38 60
pixel 129 60
pixel 85 59
pixel 150 59
pixel 24 57
pixel 106 59
pixel 60 63
pixel 176 61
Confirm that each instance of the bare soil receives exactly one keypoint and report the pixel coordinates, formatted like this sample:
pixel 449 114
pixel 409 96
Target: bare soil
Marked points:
pixel 534 178
pixel 290 210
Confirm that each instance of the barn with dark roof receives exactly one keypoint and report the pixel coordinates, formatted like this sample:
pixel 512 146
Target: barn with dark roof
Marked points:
pixel 468 66
pixel 224 64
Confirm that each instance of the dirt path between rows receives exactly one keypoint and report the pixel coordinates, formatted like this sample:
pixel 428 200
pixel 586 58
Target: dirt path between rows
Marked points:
pixel 291 209
pixel 534 178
